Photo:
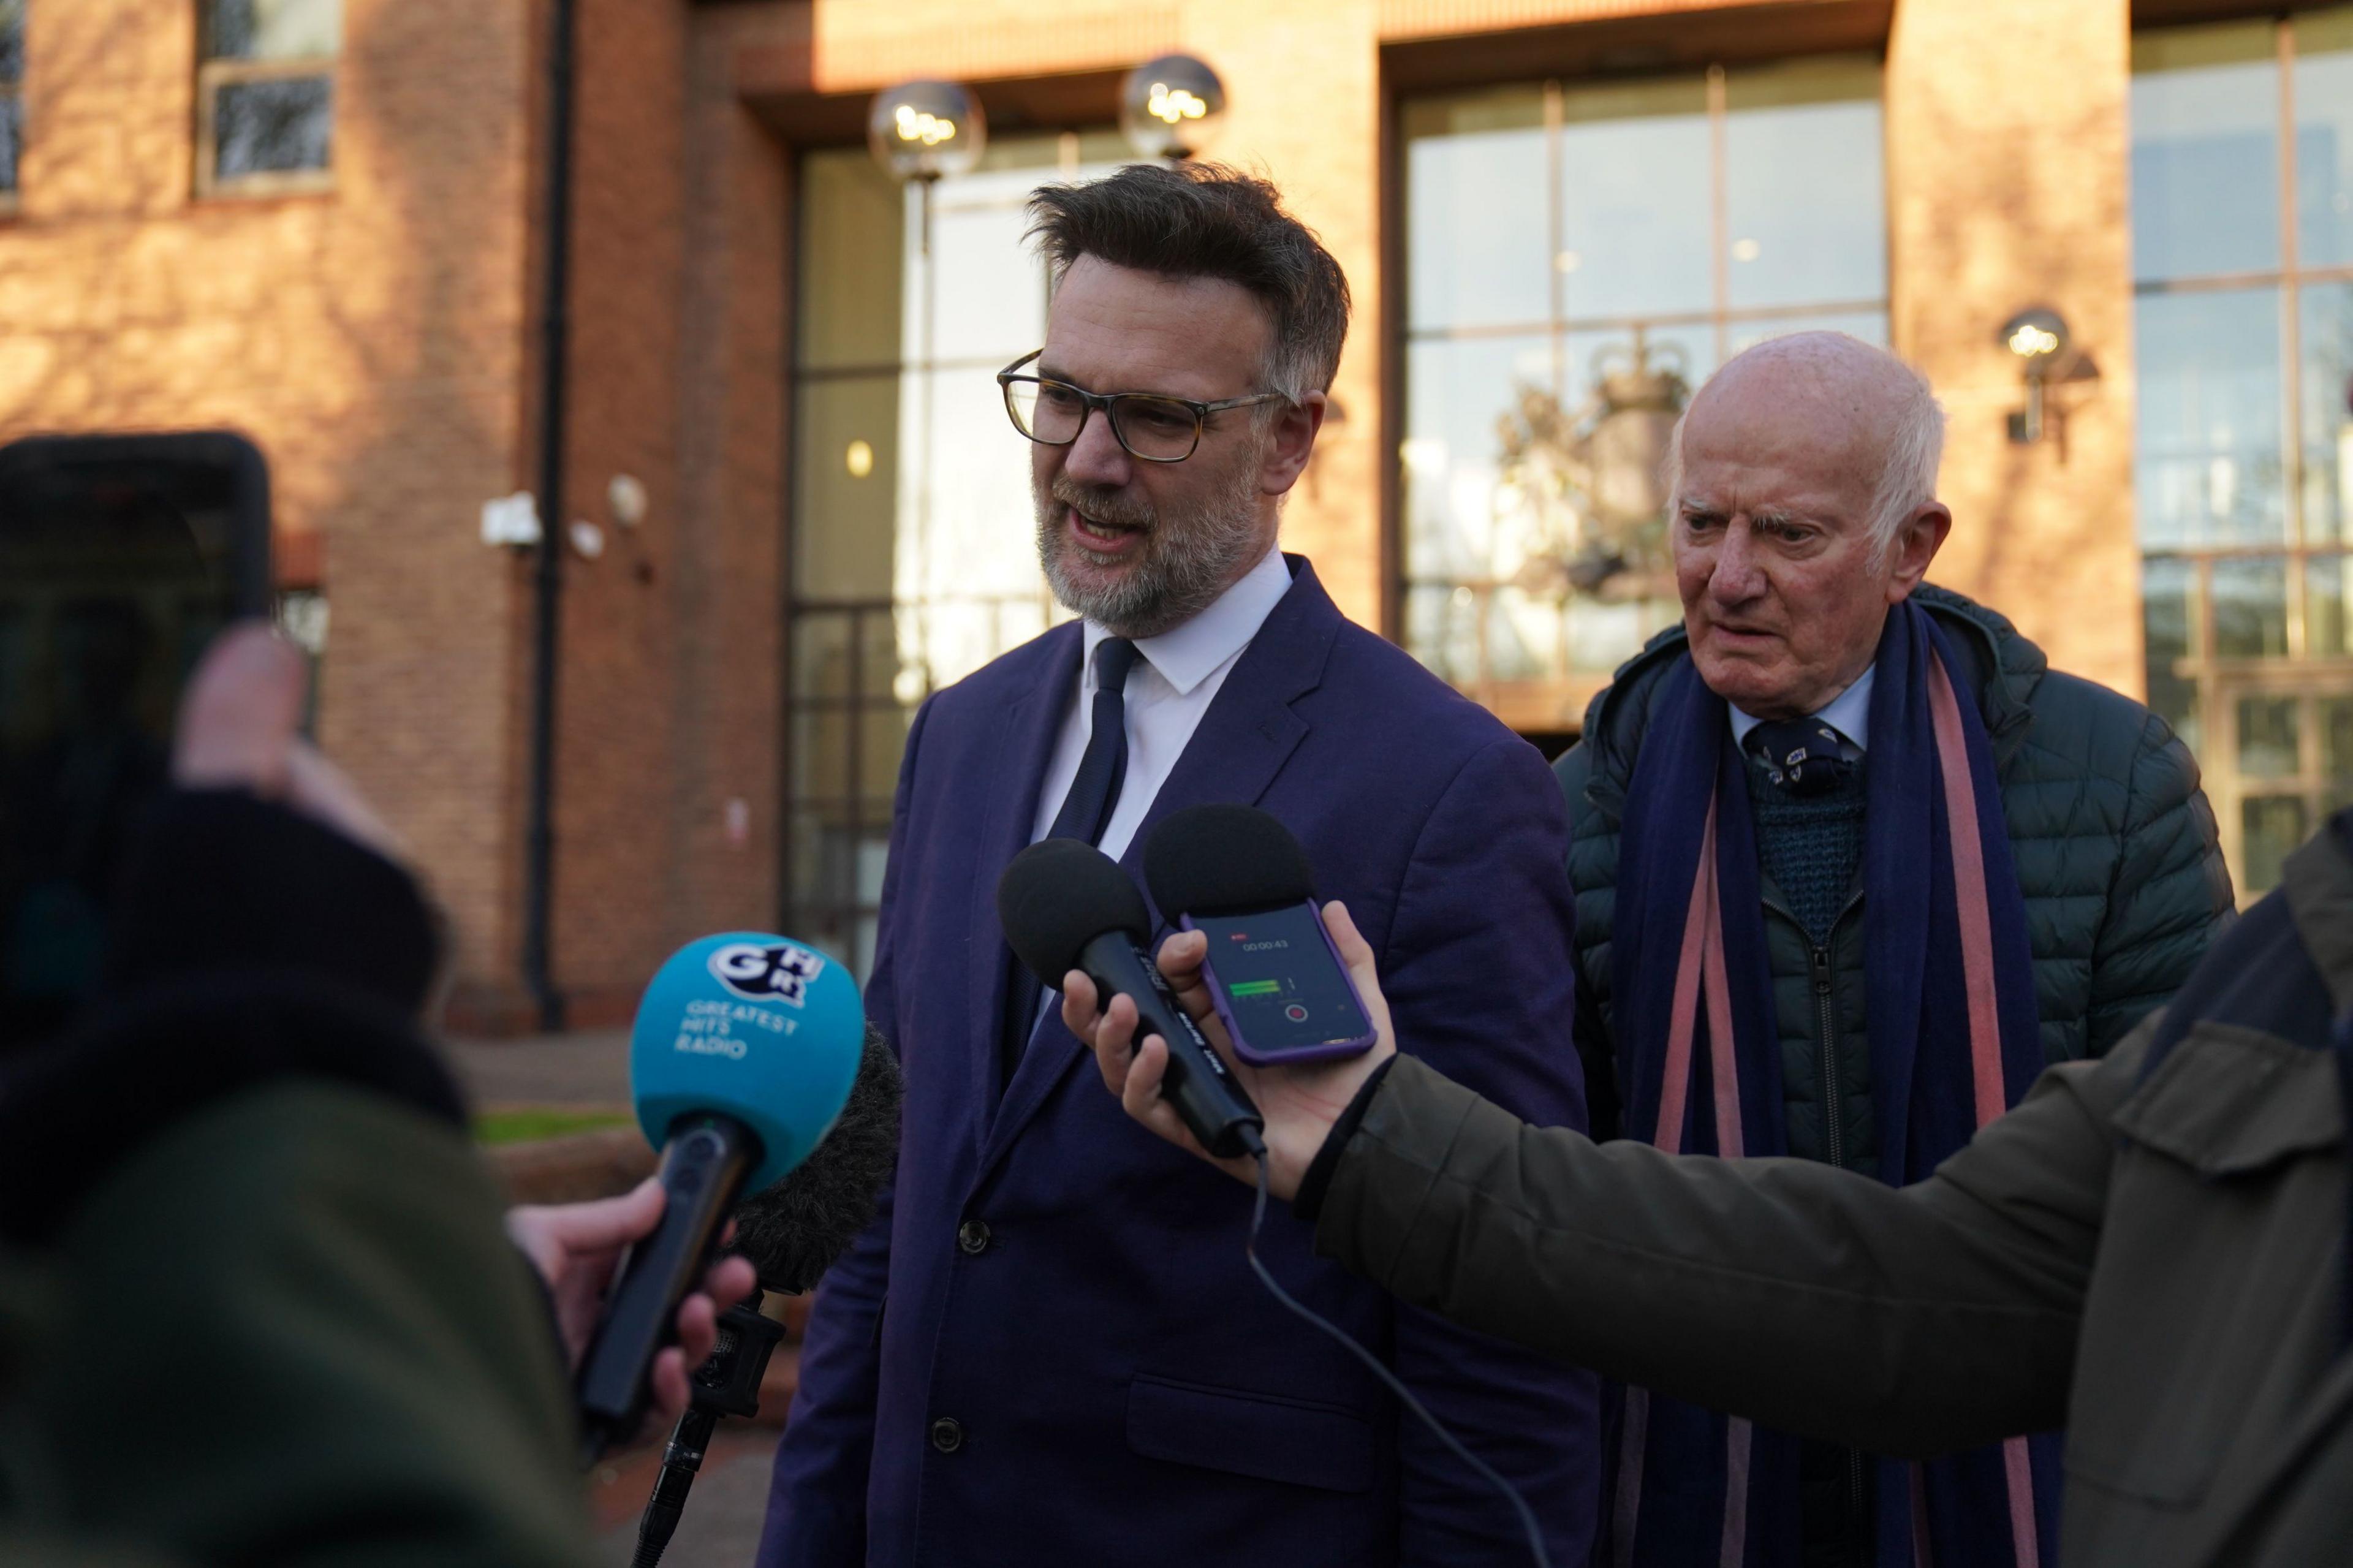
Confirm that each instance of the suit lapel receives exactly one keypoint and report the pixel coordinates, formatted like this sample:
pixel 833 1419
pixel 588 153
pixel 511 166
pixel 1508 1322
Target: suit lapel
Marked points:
pixel 1240 747
pixel 1016 771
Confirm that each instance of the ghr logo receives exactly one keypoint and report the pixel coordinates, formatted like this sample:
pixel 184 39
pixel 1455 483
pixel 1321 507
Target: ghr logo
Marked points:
pixel 767 973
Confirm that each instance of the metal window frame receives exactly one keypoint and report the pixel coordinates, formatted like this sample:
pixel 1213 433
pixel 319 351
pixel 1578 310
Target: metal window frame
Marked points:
pixel 212 75
pixel 829 914
pixel 1556 701
pixel 2222 683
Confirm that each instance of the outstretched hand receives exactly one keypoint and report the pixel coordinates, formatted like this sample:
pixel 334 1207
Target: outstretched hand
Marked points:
pixel 1299 1103
pixel 576 1247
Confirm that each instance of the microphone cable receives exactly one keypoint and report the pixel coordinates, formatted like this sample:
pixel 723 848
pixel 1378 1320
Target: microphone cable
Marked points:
pixel 1257 1148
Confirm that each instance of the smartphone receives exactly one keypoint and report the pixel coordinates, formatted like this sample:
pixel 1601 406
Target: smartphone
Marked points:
pixel 1279 985
pixel 121 558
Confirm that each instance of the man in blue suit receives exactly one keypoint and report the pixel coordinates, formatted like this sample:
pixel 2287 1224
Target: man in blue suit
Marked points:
pixel 1048 1349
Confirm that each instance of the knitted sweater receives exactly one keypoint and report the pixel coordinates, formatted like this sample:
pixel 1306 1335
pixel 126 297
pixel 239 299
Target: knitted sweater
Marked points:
pixel 1810 846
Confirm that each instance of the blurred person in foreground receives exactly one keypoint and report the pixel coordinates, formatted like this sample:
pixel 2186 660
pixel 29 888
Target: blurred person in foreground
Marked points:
pixel 1050 1348
pixel 2152 1248
pixel 1853 865
pixel 259 1303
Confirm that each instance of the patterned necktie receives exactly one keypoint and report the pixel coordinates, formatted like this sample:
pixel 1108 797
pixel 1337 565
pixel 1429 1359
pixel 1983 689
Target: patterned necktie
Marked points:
pixel 1086 812
pixel 1803 756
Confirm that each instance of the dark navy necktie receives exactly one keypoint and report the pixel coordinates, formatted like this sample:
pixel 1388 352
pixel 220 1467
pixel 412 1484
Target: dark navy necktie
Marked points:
pixel 1086 812
pixel 1803 756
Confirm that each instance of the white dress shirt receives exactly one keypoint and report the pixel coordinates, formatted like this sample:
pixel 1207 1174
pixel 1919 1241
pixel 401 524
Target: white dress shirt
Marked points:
pixel 1168 690
pixel 1849 713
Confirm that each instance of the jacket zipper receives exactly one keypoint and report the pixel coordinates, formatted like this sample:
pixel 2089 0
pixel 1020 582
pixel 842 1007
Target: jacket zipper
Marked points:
pixel 1834 1136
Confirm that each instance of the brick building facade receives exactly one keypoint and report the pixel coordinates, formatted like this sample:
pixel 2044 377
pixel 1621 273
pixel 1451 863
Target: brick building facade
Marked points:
pixel 375 331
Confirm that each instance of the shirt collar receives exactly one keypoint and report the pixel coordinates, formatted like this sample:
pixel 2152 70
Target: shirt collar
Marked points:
pixel 1189 654
pixel 1849 713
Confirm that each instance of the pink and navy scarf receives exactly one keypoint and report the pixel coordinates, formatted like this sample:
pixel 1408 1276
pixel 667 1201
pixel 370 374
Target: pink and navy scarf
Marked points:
pixel 1950 989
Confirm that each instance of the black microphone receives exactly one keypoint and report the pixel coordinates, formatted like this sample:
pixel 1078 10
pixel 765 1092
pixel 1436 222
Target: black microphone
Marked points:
pixel 791 1232
pixel 1225 860
pixel 1066 905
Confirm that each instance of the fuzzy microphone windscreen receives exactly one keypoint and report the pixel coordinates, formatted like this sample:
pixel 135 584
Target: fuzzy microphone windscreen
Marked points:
pixel 794 1230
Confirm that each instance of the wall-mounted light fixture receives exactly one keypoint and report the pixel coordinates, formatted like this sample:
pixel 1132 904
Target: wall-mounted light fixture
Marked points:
pixel 2038 339
pixel 1172 107
pixel 921 131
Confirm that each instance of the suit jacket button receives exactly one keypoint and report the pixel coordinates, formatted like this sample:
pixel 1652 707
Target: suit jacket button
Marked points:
pixel 947 1434
pixel 973 1236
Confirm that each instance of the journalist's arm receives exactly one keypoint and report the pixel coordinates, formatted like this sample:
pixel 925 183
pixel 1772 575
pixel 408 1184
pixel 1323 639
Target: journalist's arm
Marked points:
pixel 1909 1322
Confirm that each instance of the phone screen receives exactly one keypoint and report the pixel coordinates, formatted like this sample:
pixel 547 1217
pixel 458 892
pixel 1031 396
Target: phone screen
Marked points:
pixel 120 557
pixel 1279 981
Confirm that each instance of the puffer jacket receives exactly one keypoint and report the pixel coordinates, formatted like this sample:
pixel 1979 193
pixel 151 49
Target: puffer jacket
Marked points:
pixel 2114 845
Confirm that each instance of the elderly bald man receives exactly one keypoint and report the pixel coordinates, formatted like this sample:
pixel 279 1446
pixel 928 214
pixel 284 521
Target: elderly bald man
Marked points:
pixel 1852 864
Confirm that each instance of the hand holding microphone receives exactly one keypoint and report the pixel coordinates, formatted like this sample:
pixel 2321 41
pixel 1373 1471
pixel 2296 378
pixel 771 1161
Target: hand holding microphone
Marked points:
pixel 744 1050
pixel 1299 987
pixel 1299 1103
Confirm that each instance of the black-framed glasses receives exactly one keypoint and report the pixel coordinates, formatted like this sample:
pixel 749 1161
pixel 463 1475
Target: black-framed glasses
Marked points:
pixel 1149 426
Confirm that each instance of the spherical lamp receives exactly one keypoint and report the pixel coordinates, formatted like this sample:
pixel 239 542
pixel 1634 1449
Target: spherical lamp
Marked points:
pixel 1171 107
pixel 924 130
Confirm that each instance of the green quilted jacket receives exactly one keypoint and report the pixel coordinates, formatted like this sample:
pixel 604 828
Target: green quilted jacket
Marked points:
pixel 2115 850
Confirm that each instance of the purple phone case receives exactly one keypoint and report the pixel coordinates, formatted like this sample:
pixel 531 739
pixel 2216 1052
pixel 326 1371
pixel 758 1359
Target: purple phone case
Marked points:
pixel 1354 1048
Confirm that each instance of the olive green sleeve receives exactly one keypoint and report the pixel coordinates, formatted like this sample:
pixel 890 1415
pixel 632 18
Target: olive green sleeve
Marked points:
pixel 1909 1322
pixel 295 1334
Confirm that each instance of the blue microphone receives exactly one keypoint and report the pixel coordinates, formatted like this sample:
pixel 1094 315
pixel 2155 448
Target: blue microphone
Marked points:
pixel 744 1052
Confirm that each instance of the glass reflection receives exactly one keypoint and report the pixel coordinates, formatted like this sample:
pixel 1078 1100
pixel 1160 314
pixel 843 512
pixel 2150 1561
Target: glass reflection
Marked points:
pixel 2250 608
pixel 2328 587
pixel 2209 469
pixel 1476 230
pixel 2269 742
pixel 2270 827
pixel 2324 138
pixel 2205 150
pixel 2169 589
pixel 1633 200
pixel 2327 378
pixel 1803 184
pixel 2337 750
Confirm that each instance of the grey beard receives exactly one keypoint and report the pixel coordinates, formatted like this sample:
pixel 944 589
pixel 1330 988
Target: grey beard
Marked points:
pixel 1183 565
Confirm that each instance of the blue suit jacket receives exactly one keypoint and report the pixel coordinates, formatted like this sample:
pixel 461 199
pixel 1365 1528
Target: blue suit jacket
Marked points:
pixel 1123 1389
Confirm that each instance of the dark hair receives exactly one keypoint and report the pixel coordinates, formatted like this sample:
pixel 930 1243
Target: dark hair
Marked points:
pixel 1204 220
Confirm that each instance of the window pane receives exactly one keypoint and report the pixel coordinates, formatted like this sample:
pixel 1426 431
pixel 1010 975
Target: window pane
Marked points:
pixel 2205 157
pixel 844 520
pixel 2326 582
pixel 1634 195
pixel 1871 326
pixel 272 126
pixel 2251 609
pixel 2269 738
pixel 989 289
pixel 2209 460
pixel 1459 393
pixel 273 29
pixel 11 138
pixel 2327 389
pixel 850 242
pixel 1804 192
pixel 2336 748
pixel 2324 138
pixel 1476 225
pixel 2169 606
pixel 2273 826
pixel 823 645
pixel 12 41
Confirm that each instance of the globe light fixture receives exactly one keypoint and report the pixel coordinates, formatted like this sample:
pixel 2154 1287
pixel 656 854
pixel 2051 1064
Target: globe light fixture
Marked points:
pixel 924 130
pixel 1171 107
pixel 2039 339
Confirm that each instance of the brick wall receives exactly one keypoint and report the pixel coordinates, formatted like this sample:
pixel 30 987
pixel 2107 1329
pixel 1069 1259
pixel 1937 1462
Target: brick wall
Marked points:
pixel 368 339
